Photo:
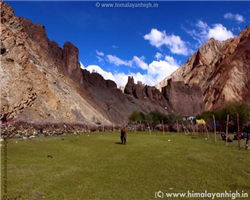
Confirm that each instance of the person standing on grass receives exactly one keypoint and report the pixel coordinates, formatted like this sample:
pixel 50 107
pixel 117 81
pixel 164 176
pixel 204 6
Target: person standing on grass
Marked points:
pixel 123 135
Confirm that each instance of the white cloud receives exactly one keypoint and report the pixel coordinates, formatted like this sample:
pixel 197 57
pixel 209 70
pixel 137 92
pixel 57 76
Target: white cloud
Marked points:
pixel 236 17
pixel 140 62
pixel 205 32
pixel 155 37
pixel 117 61
pixel 219 32
pixel 236 29
pixel 82 66
pixel 171 60
pixel 120 78
pixel 100 59
pixel 105 74
pixel 158 56
pixel 99 53
pixel 173 42
pixel 155 72
pixel 202 25
pixel 161 69
pixel 114 47
pixel 135 61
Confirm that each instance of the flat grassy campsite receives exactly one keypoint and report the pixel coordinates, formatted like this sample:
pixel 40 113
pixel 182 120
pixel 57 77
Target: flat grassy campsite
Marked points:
pixel 97 166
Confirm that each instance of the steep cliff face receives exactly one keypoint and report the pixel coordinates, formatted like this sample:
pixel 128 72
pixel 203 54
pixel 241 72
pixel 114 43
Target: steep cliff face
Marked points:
pixel 142 92
pixel 39 80
pixel 119 105
pixel 71 65
pixel 199 66
pixel 230 80
pixel 221 69
pixel 186 100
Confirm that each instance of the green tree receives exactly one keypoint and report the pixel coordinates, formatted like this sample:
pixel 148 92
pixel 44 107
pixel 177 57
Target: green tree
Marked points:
pixel 232 108
pixel 207 116
pixel 137 117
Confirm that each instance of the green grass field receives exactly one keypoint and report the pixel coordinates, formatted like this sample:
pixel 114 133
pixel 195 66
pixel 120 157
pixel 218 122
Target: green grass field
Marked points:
pixel 97 167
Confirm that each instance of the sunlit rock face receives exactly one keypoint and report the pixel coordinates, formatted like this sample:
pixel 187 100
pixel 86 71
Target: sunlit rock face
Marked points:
pixel 186 100
pixel 221 69
pixel 39 80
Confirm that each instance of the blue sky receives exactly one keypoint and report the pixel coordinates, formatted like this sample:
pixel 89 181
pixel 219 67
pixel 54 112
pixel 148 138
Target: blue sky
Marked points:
pixel 148 43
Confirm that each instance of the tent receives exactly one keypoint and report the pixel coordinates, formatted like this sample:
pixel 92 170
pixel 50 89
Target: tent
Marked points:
pixel 200 121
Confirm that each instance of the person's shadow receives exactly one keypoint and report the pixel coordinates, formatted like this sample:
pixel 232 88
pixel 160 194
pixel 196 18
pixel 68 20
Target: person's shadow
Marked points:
pixel 118 143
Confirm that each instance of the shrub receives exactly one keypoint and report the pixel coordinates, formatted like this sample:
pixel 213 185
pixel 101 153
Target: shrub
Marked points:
pixel 232 108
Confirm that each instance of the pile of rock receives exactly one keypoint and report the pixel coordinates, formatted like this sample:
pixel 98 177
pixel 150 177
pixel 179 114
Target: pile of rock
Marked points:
pixel 46 129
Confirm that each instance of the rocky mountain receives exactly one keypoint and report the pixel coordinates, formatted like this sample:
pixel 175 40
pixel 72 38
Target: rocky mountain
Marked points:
pixel 42 82
pixel 220 69
pixel 118 105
